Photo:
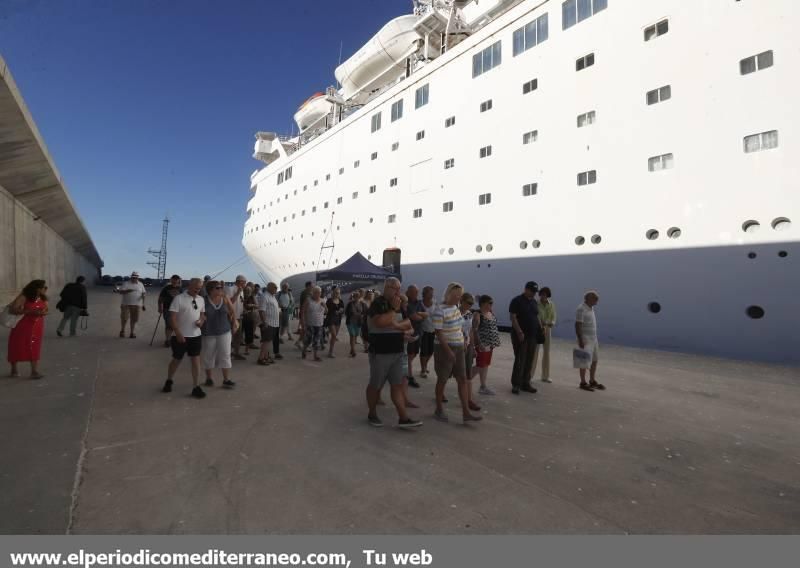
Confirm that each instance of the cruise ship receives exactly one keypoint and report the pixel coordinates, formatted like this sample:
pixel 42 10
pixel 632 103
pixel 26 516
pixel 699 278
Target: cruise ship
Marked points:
pixel 647 149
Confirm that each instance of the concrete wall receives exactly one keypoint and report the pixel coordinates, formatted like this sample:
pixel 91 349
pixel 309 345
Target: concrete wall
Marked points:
pixel 30 249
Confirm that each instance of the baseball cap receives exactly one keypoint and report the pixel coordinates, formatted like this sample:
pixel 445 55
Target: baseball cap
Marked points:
pixel 241 277
pixel 532 286
pixel 134 274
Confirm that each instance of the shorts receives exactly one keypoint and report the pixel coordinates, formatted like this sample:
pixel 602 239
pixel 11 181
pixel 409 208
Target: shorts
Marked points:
pixel 592 346
pixel 413 347
pixel 445 367
pixel 267 333
pixel 385 367
pixel 354 329
pixel 217 351
pixel 313 336
pixel 167 325
pixel 483 359
pixel 426 344
pixel 191 347
pixel 129 312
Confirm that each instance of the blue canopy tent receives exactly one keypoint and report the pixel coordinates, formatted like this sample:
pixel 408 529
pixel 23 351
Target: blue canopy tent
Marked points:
pixel 355 269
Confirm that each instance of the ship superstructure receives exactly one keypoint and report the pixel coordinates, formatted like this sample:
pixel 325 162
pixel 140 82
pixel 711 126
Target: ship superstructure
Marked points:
pixel 641 148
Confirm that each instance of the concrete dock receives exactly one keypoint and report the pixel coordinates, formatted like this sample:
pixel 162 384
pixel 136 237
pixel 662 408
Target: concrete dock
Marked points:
pixel 677 444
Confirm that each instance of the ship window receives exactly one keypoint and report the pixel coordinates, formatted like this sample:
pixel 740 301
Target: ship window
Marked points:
pixel 574 11
pixel 314 209
pixel 756 62
pixel 356 164
pixel 374 156
pixel 303 213
pixel 659 95
pixel 289 173
pixel 373 188
pixel 536 244
pixel 421 96
pixel 305 188
pixel 487 59
pixel 280 178
pixel 486 105
pixel 751 226
pixel 326 204
pixel 449 163
pixel 417 213
pixel 448 122
pixel 478 248
pixel 596 239
pixel 420 135
pixel 659 29
pixel 579 241
pixel 355 195
pixel 658 163
pixel 316 182
pixel 486 151
pixel 674 233
pixel 294 215
pixel 587 178
pixel 781 224
pixel 284 218
pixel 530 189
pixel 393 182
pixel 763 141
pixel 530 35
pixel 341 171
pixel 338 201
pixel 651 235
pixel 395 146
pixel 392 218
pixel 397 110
pixel 376 122
pixel 447 206
pixel 523 245
pixel 584 62
pixel 586 119
pixel 484 199
pixel 530 86
pixel 451 250
pixel 327 177
pixel 531 136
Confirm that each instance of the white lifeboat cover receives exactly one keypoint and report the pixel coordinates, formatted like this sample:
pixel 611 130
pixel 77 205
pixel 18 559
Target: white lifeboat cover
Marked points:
pixel 384 52
pixel 312 111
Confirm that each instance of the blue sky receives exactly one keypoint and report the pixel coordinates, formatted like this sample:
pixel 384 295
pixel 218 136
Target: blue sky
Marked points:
pixel 149 107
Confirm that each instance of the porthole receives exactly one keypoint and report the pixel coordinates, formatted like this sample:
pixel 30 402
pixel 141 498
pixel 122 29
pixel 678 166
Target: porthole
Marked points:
pixel 441 251
pixel 450 251
pixel 370 219
pixel 751 255
pixel 369 257
pixel 755 312
pixel 579 241
pixel 479 248
pixel 781 224
pixel 354 224
pixel 536 244
pixel 674 233
pixel 783 254
pixel 523 245
pixel 596 239
pixel 751 226
pixel 489 248
pixel 652 235
pixel 654 307
pixel 338 228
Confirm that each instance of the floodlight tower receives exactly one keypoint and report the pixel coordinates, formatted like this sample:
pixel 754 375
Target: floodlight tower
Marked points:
pixel 161 255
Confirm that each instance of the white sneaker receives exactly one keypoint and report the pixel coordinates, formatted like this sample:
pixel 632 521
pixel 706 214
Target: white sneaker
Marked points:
pixel 485 391
pixel 546 381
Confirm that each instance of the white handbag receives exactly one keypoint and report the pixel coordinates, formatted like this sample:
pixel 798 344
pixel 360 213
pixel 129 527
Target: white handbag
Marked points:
pixel 8 319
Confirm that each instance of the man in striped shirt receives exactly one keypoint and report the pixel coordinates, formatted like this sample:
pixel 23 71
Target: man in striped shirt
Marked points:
pixel 270 312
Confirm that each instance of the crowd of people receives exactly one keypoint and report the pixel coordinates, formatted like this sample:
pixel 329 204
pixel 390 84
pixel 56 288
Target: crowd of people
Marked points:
pixel 212 324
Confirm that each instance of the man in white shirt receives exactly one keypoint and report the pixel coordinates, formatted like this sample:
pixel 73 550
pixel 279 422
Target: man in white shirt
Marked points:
pixel 187 314
pixel 235 294
pixel 586 332
pixel 133 294
pixel 270 312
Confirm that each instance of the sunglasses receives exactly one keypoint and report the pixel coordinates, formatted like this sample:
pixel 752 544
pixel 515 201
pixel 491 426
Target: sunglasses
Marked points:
pixel 194 304
pixel 217 287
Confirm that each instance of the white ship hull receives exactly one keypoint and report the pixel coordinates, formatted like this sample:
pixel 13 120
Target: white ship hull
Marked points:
pixel 704 281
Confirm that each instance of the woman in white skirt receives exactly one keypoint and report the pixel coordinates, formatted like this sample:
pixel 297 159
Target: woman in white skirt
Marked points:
pixel 220 324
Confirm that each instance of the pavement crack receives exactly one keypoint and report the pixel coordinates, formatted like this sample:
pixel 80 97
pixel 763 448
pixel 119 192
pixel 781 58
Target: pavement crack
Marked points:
pixel 83 456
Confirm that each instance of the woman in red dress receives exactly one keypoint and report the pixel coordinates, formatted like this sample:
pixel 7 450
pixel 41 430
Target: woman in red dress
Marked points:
pixel 25 340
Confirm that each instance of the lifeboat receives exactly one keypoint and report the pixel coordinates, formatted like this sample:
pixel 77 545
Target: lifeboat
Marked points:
pixel 381 59
pixel 312 111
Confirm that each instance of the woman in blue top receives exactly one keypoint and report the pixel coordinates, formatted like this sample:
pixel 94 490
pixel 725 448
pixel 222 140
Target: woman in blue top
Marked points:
pixel 217 330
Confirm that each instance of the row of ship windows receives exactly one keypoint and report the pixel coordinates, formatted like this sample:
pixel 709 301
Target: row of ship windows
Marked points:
pixel 752 143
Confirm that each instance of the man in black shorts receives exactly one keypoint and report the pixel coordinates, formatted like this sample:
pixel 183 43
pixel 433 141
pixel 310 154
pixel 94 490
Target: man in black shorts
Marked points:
pixel 426 341
pixel 187 314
